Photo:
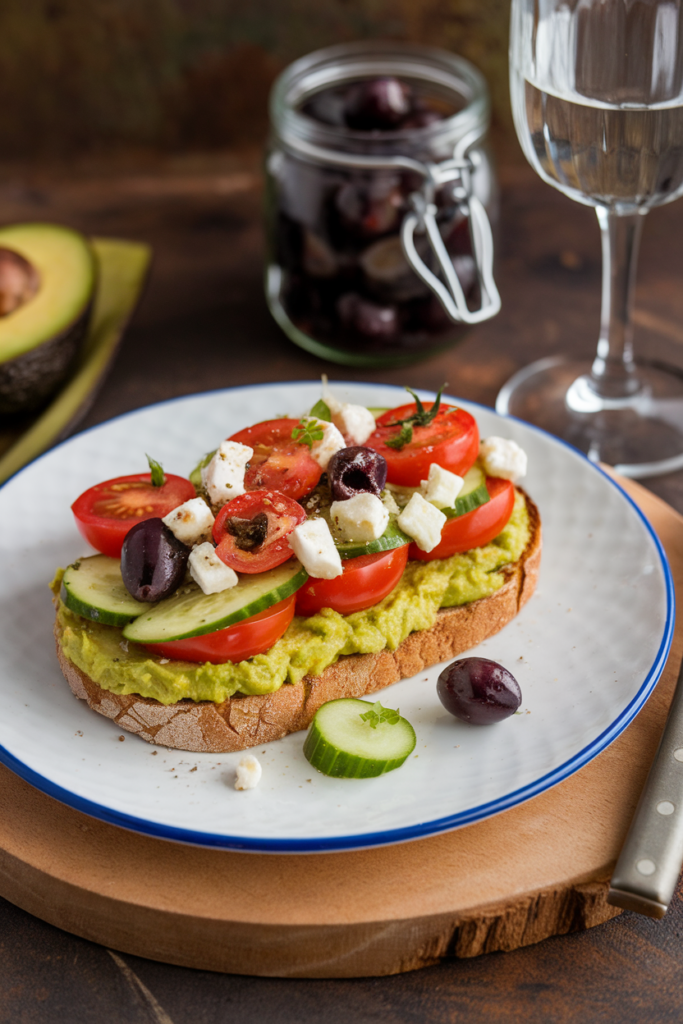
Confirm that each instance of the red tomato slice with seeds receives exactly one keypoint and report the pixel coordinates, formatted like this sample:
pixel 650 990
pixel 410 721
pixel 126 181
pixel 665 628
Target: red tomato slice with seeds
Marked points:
pixel 235 643
pixel 279 463
pixel 252 531
pixel 475 528
pixel 451 440
pixel 106 512
pixel 366 580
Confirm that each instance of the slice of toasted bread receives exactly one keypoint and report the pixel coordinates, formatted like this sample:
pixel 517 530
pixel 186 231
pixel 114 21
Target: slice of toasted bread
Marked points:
pixel 244 721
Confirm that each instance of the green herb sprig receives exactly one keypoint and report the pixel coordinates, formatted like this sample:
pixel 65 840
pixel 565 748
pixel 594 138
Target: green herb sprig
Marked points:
pixel 158 478
pixel 421 418
pixel 307 431
pixel 378 714
pixel 321 411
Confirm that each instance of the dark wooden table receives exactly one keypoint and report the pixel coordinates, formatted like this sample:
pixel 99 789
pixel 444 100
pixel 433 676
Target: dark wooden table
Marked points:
pixel 203 324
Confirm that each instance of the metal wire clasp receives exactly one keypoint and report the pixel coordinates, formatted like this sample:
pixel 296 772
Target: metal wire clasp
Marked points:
pixel 421 219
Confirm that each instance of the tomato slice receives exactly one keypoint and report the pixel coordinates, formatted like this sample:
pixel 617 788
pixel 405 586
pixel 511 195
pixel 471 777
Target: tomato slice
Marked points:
pixel 106 512
pixel 279 516
pixel 235 643
pixel 365 581
pixel 475 528
pixel 451 439
pixel 278 463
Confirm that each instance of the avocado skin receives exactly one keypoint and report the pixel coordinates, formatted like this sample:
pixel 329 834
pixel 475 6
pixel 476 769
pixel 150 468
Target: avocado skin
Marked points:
pixel 40 340
pixel 27 381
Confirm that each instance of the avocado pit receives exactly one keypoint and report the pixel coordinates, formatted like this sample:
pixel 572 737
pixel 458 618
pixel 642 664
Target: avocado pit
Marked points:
pixel 19 281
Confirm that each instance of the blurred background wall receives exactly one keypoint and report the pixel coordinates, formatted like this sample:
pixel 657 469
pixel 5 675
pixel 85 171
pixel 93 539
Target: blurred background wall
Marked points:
pixel 135 77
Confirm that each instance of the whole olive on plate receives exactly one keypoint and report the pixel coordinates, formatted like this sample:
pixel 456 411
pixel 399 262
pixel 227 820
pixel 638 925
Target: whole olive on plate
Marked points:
pixel 153 561
pixel 478 691
pixel 356 470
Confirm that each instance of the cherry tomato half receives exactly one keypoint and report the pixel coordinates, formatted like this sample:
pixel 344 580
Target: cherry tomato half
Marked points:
pixel 235 643
pixel 106 512
pixel 475 528
pixel 278 462
pixel 282 515
pixel 451 439
pixel 365 581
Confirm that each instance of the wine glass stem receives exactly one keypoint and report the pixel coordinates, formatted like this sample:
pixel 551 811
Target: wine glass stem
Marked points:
pixel 614 373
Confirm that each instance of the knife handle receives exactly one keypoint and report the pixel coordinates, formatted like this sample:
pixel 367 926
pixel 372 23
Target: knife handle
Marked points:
pixel 649 864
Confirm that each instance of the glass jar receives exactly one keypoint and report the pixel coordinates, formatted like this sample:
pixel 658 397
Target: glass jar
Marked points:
pixel 379 244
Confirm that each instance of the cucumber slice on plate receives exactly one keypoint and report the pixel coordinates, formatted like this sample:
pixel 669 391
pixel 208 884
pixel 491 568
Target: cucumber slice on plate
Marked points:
pixel 341 743
pixel 190 612
pixel 92 587
pixel 472 495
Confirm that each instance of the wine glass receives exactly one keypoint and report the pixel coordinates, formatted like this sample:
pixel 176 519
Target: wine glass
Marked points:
pixel 597 99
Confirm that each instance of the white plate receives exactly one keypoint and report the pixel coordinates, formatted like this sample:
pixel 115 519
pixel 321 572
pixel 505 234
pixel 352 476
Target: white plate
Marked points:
pixel 587 651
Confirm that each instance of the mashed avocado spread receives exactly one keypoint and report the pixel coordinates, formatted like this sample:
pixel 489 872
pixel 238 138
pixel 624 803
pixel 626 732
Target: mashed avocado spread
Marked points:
pixel 309 645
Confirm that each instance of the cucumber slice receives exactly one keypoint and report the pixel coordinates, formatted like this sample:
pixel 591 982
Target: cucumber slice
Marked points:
pixel 340 743
pixel 393 537
pixel 93 588
pixel 190 612
pixel 472 495
pixel 378 410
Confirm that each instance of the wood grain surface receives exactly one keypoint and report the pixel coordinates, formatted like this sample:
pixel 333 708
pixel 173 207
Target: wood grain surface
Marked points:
pixel 537 870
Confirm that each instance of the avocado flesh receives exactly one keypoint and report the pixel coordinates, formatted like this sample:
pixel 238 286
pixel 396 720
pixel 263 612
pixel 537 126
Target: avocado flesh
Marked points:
pixel 40 338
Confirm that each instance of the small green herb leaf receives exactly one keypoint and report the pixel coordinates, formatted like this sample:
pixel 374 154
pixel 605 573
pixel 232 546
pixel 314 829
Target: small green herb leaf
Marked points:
pixel 307 431
pixel 377 714
pixel 321 411
pixel 400 440
pixel 158 478
pixel 422 418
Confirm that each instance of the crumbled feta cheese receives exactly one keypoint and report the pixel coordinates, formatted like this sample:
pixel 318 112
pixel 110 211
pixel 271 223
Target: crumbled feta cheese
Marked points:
pixel 442 487
pixel 361 518
pixel 423 522
pixel 248 773
pixel 331 441
pixel 504 458
pixel 206 569
pixel 389 502
pixel 355 422
pixel 223 478
pixel 190 522
pixel 312 544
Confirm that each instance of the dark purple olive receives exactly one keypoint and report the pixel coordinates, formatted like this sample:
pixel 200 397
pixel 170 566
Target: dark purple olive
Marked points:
pixel 421 118
pixel 367 318
pixel 368 209
pixel 478 691
pixel 153 561
pixel 356 470
pixel 377 104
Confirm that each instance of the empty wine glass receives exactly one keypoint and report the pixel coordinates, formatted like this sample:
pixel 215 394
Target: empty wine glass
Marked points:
pixel 597 99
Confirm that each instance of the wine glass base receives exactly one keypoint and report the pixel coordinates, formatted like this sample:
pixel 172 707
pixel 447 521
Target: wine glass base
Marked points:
pixel 640 436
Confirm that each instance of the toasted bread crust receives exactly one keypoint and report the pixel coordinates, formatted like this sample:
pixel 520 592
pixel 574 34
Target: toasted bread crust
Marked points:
pixel 247 721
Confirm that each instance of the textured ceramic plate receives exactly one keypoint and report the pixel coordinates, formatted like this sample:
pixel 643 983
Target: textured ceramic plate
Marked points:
pixel 587 651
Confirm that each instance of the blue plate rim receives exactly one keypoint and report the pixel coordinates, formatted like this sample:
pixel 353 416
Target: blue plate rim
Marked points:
pixel 388 837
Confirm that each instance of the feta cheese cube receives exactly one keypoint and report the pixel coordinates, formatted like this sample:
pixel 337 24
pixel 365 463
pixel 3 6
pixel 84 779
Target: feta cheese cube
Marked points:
pixel 441 487
pixel 206 569
pixel 355 422
pixel 190 522
pixel 361 518
pixel 248 773
pixel 312 544
pixel 504 458
pixel 223 478
pixel 331 441
pixel 423 522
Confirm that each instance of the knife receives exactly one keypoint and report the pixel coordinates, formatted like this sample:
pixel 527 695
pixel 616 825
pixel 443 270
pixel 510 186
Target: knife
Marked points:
pixel 649 864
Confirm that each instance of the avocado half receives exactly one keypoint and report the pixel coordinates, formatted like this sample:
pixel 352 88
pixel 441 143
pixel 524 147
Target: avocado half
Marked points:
pixel 47 282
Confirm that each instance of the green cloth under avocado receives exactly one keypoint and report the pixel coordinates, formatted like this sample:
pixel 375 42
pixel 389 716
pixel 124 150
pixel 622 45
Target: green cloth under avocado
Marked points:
pixel 309 645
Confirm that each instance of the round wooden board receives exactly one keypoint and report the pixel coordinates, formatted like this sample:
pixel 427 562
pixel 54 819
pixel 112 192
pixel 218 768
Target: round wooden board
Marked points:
pixel 538 870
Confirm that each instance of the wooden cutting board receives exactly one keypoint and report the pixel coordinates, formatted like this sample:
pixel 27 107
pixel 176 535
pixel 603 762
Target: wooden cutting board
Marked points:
pixel 538 870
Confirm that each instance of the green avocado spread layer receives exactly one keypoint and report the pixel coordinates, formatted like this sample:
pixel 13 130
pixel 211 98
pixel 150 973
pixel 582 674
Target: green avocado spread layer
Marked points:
pixel 309 645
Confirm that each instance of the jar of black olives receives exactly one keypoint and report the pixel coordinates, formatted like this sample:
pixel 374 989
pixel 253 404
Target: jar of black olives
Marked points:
pixel 380 190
